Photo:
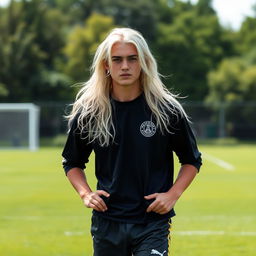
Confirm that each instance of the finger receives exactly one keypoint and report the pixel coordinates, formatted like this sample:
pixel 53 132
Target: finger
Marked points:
pixel 161 209
pixel 95 204
pixel 152 196
pixel 99 193
pixel 152 207
pixel 163 212
pixel 103 193
pixel 95 201
pixel 100 203
pixel 156 208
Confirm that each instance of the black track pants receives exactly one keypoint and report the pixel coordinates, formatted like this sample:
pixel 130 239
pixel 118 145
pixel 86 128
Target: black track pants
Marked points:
pixel 111 238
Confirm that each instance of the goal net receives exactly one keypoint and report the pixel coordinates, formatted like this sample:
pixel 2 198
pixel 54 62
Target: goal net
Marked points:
pixel 19 126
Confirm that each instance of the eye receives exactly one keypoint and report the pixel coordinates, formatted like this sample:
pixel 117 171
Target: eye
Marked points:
pixel 116 59
pixel 133 58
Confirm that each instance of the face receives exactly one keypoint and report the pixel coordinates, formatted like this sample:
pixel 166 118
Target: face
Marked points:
pixel 125 68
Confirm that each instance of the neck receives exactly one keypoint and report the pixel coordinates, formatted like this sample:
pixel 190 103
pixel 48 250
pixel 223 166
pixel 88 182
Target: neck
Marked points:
pixel 125 94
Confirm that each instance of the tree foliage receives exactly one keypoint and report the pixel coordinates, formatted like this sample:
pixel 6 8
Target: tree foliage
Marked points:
pixel 189 47
pixel 246 37
pixel 30 45
pixel 234 80
pixel 82 43
pixel 47 45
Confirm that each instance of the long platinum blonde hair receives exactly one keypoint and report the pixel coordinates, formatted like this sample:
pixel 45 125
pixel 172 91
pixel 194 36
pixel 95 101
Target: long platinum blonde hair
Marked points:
pixel 93 100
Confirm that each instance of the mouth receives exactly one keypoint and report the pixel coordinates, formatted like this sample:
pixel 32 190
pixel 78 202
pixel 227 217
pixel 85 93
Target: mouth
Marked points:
pixel 125 75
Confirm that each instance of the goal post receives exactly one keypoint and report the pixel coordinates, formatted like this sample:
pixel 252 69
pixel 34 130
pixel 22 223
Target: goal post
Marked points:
pixel 19 126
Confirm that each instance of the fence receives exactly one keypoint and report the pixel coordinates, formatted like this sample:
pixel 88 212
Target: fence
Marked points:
pixel 222 120
pixel 236 120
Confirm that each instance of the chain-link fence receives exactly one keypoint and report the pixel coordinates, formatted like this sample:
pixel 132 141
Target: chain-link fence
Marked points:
pixel 221 120
pixel 52 118
pixel 236 120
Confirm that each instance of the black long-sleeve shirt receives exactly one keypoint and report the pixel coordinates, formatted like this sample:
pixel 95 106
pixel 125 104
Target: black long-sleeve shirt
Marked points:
pixel 139 162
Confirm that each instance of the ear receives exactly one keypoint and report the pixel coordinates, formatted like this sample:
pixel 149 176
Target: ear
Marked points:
pixel 106 65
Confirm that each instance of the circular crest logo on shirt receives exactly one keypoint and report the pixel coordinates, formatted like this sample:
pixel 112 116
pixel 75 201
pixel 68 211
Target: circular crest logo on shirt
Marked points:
pixel 148 129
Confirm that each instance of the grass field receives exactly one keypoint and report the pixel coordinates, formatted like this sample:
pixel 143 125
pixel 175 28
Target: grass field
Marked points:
pixel 40 214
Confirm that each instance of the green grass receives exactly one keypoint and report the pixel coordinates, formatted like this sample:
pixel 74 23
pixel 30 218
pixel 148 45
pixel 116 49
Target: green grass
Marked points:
pixel 38 206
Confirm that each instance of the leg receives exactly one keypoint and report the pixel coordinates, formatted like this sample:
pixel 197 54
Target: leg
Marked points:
pixel 153 239
pixel 108 238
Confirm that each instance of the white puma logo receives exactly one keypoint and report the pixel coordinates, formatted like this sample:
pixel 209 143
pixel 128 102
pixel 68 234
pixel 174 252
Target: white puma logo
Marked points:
pixel 153 251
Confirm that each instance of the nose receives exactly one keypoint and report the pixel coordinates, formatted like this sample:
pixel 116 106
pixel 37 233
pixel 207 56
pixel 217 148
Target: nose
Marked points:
pixel 125 65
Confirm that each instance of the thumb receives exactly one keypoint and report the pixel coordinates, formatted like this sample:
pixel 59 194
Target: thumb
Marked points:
pixel 152 196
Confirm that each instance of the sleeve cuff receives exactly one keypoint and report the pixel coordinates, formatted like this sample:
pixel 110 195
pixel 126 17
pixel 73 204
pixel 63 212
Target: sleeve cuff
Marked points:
pixel 67 165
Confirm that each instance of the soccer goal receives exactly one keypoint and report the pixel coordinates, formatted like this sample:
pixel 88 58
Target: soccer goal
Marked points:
pixel 19 126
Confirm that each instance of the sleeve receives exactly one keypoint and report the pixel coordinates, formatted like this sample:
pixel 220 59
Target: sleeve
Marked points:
pixel 184 144
pixel 77 150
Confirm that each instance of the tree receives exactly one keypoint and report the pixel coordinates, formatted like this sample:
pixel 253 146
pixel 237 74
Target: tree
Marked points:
pixel 189 48
pixel 234 80
pixel 45 46
pixel 20 60
pixel 232 87
pixel 246 37
pixel 30 45
pixel 224 82
pixel 138 14
pixel 204 7
pixel 82 43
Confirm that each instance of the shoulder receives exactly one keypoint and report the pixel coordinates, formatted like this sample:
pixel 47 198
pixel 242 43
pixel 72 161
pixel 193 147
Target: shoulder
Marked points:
pixel 77 123
pixel 73 120
pixel 175 111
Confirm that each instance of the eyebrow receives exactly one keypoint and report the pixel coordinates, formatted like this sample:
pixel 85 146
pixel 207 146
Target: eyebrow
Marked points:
pixel 133 55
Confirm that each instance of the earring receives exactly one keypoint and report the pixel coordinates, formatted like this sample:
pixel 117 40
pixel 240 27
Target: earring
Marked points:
pixel 108 73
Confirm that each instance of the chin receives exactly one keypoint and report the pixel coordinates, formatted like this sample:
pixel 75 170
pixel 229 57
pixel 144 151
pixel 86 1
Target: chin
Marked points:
pixel 125 83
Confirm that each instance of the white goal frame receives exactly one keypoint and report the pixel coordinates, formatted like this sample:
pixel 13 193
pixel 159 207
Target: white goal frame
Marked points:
pixel 33 120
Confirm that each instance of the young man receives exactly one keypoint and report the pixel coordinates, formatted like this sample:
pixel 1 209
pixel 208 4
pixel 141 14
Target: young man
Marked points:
pixel 133 124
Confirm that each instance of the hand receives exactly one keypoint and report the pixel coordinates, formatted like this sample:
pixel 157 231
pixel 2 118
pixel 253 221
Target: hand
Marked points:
pixel 94 201
pixel 162 204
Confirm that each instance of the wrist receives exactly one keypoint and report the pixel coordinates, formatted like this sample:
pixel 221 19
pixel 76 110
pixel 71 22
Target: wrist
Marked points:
pixel 84 193
pixel 175 193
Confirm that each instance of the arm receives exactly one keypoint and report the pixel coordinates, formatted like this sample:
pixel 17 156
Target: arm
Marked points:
pixel 164 202
pixel 75 154
pixel 185 147
pixel 91 199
